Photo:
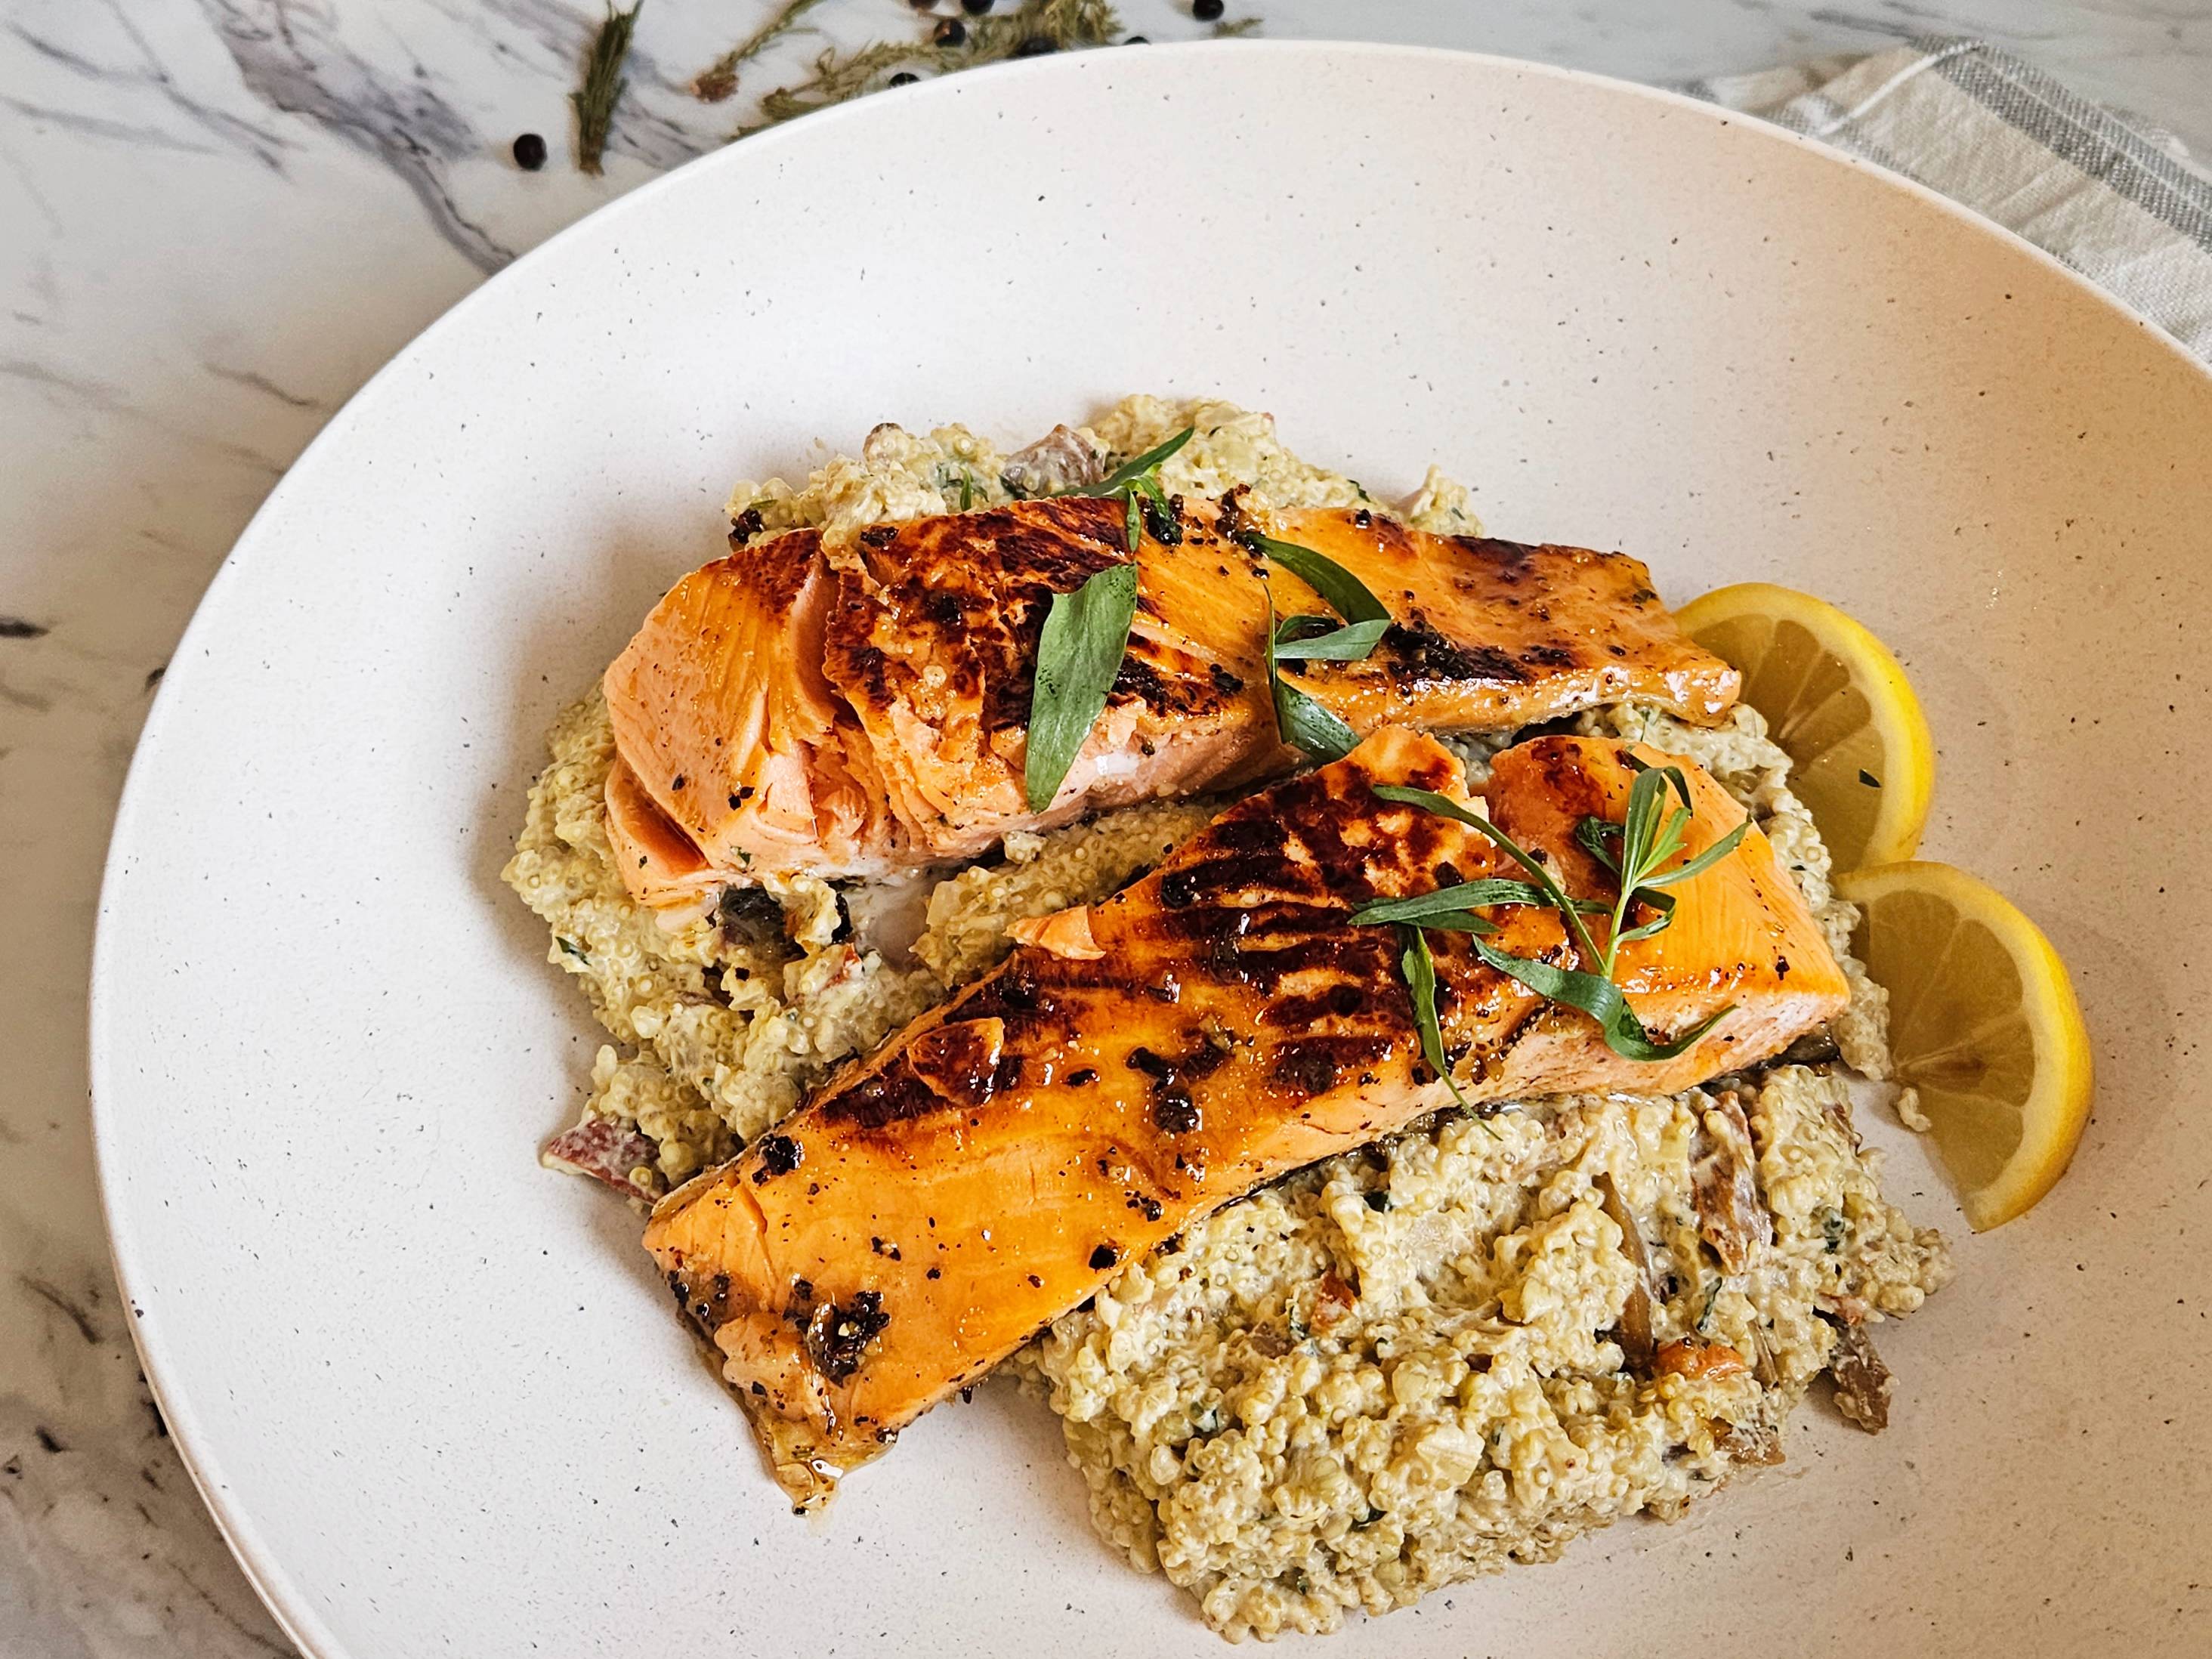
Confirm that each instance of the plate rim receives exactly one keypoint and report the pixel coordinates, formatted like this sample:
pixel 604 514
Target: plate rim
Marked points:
pixel 259 1561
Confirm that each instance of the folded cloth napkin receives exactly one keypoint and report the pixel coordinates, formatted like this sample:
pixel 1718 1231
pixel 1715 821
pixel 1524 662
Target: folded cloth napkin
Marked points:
pixel 2111 196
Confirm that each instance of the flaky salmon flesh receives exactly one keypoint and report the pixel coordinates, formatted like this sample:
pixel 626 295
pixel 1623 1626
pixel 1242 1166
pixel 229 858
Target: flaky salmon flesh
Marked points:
pixel 858 710
pixel 1138 1062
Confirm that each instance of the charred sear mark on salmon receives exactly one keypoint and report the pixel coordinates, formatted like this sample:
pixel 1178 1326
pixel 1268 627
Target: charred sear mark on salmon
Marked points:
pixel 1315 1064
pixel 1170 692
pixel 837 1336
pixel 1506 561
pixel 1172 1079
pixel 960 1061
pixel 1420 654
pixel 779 1156
pixel 891 1095
pixel 1298 1012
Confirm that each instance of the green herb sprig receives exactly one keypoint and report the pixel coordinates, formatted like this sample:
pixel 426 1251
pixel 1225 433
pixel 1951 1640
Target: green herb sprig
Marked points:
pixel 1301 720
pixel 1637 850
pixel 1086 635
pixel 603 87
pixel 1344 593
pixel 1136 483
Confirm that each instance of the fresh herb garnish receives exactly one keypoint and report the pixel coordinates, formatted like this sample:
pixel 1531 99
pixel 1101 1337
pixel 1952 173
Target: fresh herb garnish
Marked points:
pixel 603 86
pixel 1345 594
pixel 1080 651
pixel 1304 723
pixel 1651 833
pixel 1314 639
pixel 1463 897
pixel 1419 968
pixel 1136 483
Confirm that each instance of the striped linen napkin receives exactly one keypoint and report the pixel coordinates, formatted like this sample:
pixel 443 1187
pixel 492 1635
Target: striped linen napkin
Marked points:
pixel 2114 198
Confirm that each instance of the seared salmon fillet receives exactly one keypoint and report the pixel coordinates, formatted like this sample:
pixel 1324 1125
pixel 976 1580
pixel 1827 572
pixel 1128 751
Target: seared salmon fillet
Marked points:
pixel 848 711
pixel 1136 1063
pixel 723 720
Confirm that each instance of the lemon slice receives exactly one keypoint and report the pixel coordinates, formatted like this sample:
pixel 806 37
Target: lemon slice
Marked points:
pixel 1984 1022
pixel 1839 705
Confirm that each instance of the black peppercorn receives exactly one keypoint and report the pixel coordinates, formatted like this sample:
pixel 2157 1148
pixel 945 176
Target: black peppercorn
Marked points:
pixel 975 8
pixel 530 152
pixel 1036 46
pixel 904 78
pixel 1206 10
pixel 951 32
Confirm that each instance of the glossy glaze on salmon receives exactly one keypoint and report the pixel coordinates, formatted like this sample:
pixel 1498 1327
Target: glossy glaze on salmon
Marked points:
pixel 1138 1062
pixel 853 711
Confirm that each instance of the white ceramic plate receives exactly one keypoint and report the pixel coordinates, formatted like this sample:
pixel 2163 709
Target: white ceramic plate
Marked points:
pixel 434 1394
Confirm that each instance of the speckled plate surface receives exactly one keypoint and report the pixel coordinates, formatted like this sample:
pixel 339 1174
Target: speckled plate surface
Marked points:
pixel 434 1394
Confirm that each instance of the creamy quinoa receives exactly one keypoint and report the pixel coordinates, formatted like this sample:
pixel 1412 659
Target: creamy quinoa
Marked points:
pixel 1399 1368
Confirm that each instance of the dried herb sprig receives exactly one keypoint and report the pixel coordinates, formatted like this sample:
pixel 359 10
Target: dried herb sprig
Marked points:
pixel 1637 850
pixel 603 87
pixel 720 78
pixel 1061 25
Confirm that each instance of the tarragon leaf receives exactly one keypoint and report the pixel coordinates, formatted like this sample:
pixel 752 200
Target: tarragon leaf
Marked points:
pixel 1086 634
pixel 1445 806
pixel 1464 896
pixel 1640 823
pixel 1600 839
pixel 1419 968
pixel 1136 470
pixel 1346 593
pixel 1351 643
pixel 1599 998
pixel 1458 922
pixel 1704 861
pixel 1135 483
pixel 1302 723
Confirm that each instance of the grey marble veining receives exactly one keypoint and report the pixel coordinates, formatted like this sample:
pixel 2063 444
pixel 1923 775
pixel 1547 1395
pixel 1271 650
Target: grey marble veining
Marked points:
pixel 217 218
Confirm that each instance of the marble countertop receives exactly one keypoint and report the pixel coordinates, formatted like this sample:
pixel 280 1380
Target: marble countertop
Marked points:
pixel 220 216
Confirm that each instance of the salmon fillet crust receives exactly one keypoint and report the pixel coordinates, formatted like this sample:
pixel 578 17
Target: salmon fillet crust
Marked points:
pixel 1140 1061
pixel 850 711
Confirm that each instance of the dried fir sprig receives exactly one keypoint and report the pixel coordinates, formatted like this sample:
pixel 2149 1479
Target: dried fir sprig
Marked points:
pixel 720 78
pixel 1059 25
pixel 603 87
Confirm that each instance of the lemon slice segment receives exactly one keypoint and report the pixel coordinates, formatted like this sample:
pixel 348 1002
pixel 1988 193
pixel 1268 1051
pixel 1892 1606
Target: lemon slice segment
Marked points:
pixel 1838 704
pixel 1984 1022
